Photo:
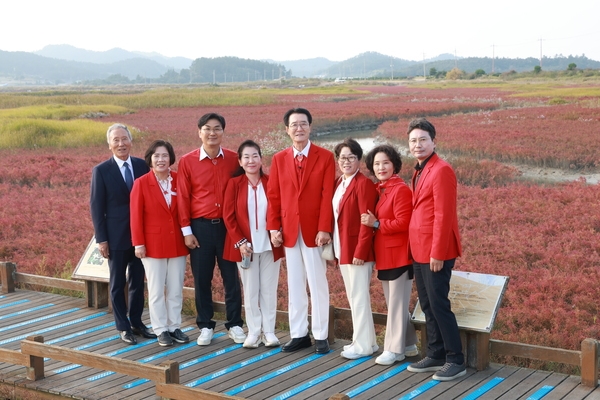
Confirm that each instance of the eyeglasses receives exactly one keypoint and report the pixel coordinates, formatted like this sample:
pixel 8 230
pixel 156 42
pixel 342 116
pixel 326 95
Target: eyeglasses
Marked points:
pixel 295 125
pixel 349 159
pixel 213 130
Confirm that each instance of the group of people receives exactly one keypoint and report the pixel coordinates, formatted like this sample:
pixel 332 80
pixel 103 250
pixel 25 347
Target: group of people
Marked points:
pixel 222 209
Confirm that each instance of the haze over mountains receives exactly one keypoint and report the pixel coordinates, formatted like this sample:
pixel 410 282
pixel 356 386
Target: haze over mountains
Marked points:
pixel 65 64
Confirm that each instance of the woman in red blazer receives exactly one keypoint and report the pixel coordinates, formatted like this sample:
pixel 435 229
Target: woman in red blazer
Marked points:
pixel 158 241
pixel 245 217
pixel 392 261
pixel 353 245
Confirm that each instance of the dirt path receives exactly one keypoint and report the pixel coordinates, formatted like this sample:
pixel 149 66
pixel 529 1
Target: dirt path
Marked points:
pixel 555 175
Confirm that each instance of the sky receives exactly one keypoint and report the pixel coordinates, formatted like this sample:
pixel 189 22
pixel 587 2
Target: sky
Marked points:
pixel 283 31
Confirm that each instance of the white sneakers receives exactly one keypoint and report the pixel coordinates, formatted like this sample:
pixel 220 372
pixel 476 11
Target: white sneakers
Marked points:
pixel 411 351
pixel 252 342
pixel 236 333
pixel 206 335
pixel 270 340
pixel 388 358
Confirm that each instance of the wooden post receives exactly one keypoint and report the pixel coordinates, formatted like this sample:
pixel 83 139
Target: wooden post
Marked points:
pixel 589 363
pixel 477 351
pixel 7 276
pixel 331 326
pixel 171 373
pixel 97 294
pixel 35 365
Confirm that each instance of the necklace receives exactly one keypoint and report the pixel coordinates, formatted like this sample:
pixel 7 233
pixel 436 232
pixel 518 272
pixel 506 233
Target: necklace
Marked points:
pixel 165 188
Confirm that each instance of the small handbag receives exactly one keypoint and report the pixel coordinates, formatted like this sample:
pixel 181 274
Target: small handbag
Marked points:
pixel 327 253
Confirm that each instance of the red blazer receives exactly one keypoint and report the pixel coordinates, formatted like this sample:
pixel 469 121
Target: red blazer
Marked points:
pixel 434 224
pixel 306 204
pixel 356 239
pixel 393 212
pixel 236 219
pixel 153 223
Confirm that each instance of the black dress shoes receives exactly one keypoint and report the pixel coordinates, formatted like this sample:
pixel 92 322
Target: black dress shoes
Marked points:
pixel 127 337
pixel 143 331
pixel 321 346
pixel 297 344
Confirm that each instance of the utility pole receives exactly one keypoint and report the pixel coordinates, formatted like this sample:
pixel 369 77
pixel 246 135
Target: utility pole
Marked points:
pixel 214 78
pixel 493 56
pixel 455 62
pixel 392 67
pixel 541 52
pixel 424 76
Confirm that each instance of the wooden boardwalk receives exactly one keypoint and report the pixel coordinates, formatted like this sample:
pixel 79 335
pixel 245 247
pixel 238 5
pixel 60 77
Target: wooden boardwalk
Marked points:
pixel 226 367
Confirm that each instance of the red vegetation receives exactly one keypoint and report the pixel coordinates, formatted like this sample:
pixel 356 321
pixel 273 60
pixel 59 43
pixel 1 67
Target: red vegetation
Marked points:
pixel 546 238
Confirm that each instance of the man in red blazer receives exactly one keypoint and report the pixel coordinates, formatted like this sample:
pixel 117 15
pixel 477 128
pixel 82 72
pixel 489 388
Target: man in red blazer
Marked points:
pixel 300 217
pixel 434 245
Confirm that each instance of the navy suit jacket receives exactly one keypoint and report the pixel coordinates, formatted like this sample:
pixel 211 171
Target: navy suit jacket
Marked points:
pixel 109 202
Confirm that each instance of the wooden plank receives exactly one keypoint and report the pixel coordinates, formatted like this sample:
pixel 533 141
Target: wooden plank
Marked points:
pixel 564 389
pixel 532 380
pixel 513 376
pixel 47 281
pixel 92 360
pixel 503 348
pixel 181 392
pixel 13 357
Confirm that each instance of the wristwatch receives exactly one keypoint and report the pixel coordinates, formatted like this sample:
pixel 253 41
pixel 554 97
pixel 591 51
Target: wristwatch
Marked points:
pixel 376 224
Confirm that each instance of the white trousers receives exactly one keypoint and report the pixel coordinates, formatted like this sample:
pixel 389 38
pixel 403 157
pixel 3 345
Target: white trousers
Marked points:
pixel 399 332
pixel 165 292
pixel 357 279
pixel 305 264
pixel 260 292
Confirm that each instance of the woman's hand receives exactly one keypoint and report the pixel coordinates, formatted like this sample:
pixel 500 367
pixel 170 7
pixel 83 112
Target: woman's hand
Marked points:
pixel 358 261
pixel 140 252
pixel 368 218
pixel 245 250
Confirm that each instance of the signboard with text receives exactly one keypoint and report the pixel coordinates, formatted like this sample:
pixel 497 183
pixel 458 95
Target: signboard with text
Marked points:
pixel 475 300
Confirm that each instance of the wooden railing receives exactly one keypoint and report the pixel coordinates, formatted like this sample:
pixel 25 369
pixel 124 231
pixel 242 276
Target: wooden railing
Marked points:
pixel 478 346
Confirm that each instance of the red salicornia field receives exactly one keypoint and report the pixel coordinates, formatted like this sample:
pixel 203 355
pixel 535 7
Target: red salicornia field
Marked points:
pixel 543 234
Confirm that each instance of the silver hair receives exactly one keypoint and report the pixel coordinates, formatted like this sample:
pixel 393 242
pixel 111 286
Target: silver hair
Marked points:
pixel 117 126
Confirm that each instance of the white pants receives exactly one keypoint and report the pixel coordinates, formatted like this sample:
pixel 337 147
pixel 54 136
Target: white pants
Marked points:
pixel 165 292
pixel 357 279
pixel 399 332
pixel 305 264
pixel 260 292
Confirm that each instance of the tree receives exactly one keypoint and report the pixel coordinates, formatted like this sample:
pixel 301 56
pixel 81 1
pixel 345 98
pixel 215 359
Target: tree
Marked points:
pixel 479 72
pixel 432 71
pixel 537 69
pixel 454 74
pixel 572 67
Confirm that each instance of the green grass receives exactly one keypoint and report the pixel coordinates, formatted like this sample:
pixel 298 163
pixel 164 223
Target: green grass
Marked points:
pixel 61 111
pixel 36 133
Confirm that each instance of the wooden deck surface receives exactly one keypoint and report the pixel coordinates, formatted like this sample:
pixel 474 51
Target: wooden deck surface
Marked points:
pixel 226 367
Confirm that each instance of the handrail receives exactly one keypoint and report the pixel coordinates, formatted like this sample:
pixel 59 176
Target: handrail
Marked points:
pixel 479 345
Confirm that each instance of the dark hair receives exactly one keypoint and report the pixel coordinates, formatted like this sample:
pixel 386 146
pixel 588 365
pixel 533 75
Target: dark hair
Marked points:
pixel 352 144
pixel 246 143
pixel 389 151
pixel 286 117
pixel 152 149
pixel 423 124
pixel 208 116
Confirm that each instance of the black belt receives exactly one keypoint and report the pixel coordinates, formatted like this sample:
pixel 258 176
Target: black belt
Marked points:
pixel 213 221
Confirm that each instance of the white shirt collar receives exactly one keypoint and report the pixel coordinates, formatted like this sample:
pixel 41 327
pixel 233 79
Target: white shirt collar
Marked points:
pixel 203 154
pixel 121 162
pixel 304 151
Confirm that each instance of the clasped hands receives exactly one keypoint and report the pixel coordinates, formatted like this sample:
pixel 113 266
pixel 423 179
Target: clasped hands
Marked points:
pixel 322 238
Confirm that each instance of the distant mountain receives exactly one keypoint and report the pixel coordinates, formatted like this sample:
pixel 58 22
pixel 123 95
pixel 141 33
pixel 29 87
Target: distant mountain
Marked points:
pixel 309 68
pixel 23 66
pixel 71 53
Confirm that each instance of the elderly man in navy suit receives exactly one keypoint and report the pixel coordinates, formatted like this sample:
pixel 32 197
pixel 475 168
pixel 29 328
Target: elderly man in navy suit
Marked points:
pixel 112 181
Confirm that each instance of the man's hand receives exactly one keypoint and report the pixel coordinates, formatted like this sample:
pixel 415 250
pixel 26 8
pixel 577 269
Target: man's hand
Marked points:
pixel 103 249
pixel 322 238
pixel 191 242
pixel 140 252
pixel 358 261
pixel 276 238
pixel 436 265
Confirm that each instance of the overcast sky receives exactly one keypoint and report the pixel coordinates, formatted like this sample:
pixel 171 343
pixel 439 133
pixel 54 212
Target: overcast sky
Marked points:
pixel 295 30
